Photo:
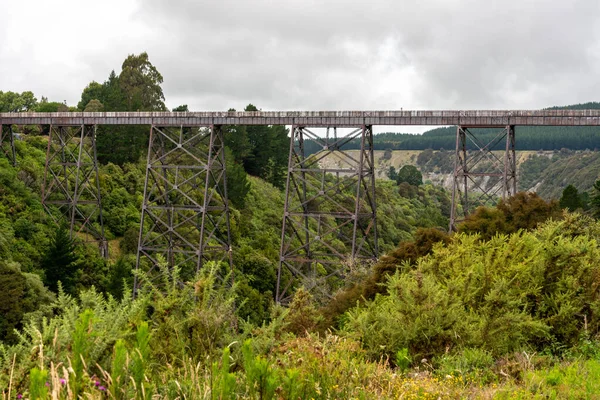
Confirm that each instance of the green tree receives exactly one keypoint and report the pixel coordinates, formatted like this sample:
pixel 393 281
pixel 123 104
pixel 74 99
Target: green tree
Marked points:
pixel 181 108
pixel 521 211
pixel 92 91
pixel 12 289
pixel 409 174
pixel 237 180
pixel 268 156
pixel 570 199
pixel 94 106
pixel 19 294
pixel 50 106
pixel 15 102
pixel 392 174
pixel 60 262
pixel 236 138
pixel 137 88
pixel 140 82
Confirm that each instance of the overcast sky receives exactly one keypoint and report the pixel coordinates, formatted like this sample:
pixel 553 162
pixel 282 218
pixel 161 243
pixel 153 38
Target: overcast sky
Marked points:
pixel 312 54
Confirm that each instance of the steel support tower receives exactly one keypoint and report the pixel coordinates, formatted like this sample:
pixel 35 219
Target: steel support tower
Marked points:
pixel 482 174
pixel 71 183
pixel 7 143
pixel 185 211
pixel 329 220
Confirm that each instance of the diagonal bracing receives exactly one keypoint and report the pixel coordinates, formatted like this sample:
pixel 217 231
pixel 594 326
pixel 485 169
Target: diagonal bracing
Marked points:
pixel 71 190
pixel 185 211
pixel 7 143
pixel 481 176
pixel 329 218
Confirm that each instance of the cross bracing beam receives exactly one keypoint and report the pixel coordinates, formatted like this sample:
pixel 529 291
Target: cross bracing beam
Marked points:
pixel 329 221
pixel 185 211
pixel 7 143
pixel 480 175
pixel 71 190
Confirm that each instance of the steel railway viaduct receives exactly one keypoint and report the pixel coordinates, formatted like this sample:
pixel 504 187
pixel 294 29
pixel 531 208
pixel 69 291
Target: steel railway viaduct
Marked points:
pixel 329 216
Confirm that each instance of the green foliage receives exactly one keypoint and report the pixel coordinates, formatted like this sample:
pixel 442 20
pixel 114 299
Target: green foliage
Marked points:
pixel 260 377
pixel 118 370
pixel 181 108
pixel 558 170
pixel 141 357
pixel 303 316
pixel 409 174
pixel 12 290
pixel 93 91
pixel 20 294
pixel 509 293
pixel 140 82
pixel 263 150
pixel 522 211
pixel 82 338
pixel 136 88
pixel 15 102
pixel 37 384
pixel 400 259
pixel 403 359
pixel 570 199
pixel 474 364
pixel 94 106
pixel 60 262
pixel 238 185
pixel 223 382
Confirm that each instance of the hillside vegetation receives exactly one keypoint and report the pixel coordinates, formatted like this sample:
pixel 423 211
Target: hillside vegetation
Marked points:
pixel 547 173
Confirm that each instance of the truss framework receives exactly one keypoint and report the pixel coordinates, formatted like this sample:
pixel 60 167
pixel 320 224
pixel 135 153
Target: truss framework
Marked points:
pixel 7 143
pixel 185 211
pixel 71 183
pixel 475 184
pixel 329 220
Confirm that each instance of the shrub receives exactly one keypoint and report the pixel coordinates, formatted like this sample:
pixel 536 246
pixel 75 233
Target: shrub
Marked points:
pixel 535 290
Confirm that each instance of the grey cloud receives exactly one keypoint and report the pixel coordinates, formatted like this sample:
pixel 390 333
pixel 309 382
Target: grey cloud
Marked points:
pixel 309 54
pixel 321 54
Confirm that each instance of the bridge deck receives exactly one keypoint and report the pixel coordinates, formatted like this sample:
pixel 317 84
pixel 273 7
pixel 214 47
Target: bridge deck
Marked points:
pixel 471 118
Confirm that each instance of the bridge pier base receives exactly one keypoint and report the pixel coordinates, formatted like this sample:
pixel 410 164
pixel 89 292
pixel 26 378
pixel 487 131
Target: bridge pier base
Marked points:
pixel 185 211
pixel 7 143
pixel 329 221
pixel 71 182
pixel 482 174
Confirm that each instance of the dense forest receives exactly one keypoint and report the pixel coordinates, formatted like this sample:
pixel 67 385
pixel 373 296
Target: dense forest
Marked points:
pixel 506 307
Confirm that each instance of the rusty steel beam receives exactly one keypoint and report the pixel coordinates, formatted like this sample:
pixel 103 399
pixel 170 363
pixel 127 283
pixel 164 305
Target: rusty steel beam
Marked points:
pixel 481 177
pixel 329 221
pixel 185 211
pixel 71 189
pixel 7 143
pixel 471 118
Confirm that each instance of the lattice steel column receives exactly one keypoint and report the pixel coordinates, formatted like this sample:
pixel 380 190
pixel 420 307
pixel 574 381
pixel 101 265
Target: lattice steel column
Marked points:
pixel 480 175
pixel 71 183
pixel 329 218
pixel 7 143
pixel 185 213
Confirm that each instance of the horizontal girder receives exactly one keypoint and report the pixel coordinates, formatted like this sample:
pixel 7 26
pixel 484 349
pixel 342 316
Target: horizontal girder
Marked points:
pixel 467 118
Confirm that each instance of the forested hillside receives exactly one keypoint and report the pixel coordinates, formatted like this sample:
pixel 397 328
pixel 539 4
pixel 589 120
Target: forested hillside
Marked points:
pixel 507 307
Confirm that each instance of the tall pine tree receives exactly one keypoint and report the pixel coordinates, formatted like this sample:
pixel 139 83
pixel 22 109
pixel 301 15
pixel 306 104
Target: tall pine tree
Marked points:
pixel 60 262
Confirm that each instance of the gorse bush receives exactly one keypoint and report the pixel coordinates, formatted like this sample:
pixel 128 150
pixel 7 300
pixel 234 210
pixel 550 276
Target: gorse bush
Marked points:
pixel 536 290
pixel 402 258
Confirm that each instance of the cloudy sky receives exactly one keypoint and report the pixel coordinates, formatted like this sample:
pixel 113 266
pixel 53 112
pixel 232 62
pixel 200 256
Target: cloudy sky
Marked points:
pixel 312 54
